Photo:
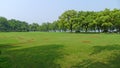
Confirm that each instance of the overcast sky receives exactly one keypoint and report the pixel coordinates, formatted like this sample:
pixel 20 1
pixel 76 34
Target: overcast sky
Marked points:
pixel 40 11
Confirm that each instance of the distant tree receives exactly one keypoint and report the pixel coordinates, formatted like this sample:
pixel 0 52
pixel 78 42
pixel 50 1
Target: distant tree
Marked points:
pixel 54 26
pixel 70 20
pixel 45 27
pixel 12 25
pixel 24 26
pixel 34 27
pixel 3 24
pixel 16 25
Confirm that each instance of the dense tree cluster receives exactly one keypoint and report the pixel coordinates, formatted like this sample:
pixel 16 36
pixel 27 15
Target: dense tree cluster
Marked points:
pixel 70 21
pixel 84 21
pixel 16 25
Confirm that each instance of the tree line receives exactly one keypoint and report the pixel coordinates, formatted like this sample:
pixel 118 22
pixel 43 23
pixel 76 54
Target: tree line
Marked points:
pixel 70 21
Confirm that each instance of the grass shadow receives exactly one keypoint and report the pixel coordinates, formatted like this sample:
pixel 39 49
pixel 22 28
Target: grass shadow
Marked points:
pixel 7 46
pixel 5 61
pixel 45 56
pixel 90 64
pixel 98 49
pixel 113 60
pixel 88 33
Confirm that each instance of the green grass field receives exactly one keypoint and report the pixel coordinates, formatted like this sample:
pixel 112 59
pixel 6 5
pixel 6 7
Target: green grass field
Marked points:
pixel 59 50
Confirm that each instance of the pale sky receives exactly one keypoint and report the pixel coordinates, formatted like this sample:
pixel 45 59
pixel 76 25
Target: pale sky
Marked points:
pixel 40 11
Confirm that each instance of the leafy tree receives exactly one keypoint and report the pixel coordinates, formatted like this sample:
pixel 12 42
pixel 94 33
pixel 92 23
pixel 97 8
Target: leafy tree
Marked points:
pixel 45 27
pixel 67 16
pixel 16 25
pixel 55 26
pixel 62 25
pixel 34 27
pixel 3 24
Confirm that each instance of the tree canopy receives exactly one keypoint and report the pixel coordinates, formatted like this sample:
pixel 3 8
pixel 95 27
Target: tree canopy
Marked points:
pixel 70 21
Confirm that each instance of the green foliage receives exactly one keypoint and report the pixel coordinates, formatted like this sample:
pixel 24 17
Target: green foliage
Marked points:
pixel 68 18
pixel 70 21
pixel 34 27
pixel 3 24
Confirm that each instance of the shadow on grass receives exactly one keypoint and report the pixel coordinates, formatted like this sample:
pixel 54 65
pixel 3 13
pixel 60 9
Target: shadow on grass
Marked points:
pixel 88 33
pixel 113 60
pixel 45 56
pixel 5 61
pixel 7 46
pixel 99 49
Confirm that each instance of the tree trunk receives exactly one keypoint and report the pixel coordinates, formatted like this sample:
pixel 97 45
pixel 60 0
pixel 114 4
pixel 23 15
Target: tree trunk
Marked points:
pixel 86 29
pixel 99 30
pixel 71 28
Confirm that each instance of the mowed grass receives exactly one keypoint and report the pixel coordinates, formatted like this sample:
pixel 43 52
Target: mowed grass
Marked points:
pixel 59 50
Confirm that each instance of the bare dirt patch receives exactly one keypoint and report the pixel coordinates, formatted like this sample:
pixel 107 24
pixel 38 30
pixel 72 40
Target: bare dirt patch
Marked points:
pixel 25 42
pixel 86 41
pixel 46 39
pixel 95 36
pixel 21 38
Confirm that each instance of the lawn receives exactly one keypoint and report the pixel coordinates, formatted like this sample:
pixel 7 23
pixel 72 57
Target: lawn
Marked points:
pixel 59 50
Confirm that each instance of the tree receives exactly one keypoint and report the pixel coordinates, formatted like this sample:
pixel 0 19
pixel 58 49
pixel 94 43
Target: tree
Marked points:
pixel 3 24
pixel 45 27
pixel 34 27
pixel 67 16
pixel 77 24
pixel 62 25
pixel 54 26
pixel 93 25
pixel 115 17
pixel 87 20
pixel 16 25
pixel 12 24
pixel 24 26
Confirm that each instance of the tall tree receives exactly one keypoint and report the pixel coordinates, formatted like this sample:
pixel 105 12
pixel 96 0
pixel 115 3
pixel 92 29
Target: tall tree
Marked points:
pixel 67 16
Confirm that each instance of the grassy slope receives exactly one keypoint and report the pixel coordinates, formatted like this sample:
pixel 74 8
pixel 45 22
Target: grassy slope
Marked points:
pixel 59 50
